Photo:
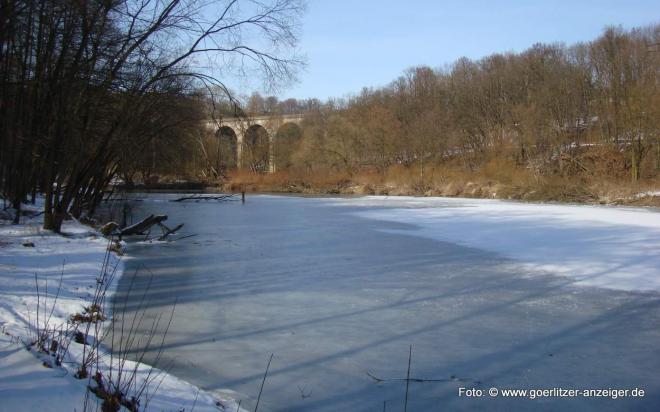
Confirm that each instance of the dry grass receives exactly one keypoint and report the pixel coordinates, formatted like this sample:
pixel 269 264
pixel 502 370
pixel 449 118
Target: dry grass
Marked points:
pixel 284 181
pixel 598 180
pixel 90 314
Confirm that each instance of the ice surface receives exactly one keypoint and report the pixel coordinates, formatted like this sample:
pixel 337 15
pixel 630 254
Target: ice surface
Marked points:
pixel 609 247
pixel 339 287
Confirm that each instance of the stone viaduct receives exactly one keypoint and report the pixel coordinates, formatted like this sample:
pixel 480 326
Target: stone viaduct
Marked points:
pixel 244 131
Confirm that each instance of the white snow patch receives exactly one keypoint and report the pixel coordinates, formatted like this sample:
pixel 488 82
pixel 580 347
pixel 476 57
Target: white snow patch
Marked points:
pixel 646 194
pixel 25 384
pixel 609 247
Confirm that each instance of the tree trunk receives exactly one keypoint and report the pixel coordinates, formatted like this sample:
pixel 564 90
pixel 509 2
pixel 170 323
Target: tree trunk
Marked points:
pixel 53 220
pixel 637 152
pixel 635 164
pixel 17 206
pixel 53 215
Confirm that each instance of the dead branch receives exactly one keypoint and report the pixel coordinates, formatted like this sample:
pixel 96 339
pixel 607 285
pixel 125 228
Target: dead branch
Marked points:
pixel 263 382
pixel 184 237
pixel 167 231
pixel 450 379
pixel 405 404
pixel 142 226
pixel 197 198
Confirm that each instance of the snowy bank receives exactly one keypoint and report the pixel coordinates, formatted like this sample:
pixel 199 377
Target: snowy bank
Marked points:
pixel 602 246
pixel 32 380
pixel 650 193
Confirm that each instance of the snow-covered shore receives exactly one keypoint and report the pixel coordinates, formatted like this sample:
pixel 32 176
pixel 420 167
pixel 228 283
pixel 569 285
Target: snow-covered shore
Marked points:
pixel 27 255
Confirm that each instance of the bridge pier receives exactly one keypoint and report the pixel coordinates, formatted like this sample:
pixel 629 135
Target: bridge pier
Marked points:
pixel 239 148
pixel 271 150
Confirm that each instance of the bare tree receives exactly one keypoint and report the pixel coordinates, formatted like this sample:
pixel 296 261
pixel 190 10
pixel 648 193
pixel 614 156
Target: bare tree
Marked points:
pixel 81 79
pixel 534 110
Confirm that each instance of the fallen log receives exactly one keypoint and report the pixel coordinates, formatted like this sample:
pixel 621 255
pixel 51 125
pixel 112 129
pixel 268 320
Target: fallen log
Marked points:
pixel 109 228
pixel 201 197
pixel 142 226
pixel 124 199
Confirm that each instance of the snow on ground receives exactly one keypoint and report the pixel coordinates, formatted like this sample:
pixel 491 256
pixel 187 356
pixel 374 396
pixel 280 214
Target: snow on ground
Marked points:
pixel 609 247
pixel 26 252
pixel 650 193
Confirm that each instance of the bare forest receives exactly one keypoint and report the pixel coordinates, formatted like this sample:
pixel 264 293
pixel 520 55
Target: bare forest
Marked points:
pixel 98 92
pixel 87 88
pixel 554 122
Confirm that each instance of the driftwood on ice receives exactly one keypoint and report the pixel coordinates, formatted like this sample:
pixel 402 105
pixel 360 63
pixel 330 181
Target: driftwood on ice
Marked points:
pixel 197 198
pixel 142 226
pixel 146 224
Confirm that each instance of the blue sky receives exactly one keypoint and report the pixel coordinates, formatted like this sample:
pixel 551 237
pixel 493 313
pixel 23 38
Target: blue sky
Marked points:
pixel 365 43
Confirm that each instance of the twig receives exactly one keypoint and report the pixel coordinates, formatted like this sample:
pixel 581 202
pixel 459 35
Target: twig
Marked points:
pixel 184 237
pixel 263 382
pixel 36 281
pixel 194 401
pixel 304 395
pixel 405 404
pixel 57 295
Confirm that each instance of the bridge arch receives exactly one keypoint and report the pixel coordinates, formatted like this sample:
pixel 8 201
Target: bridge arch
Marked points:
pixel 285 143
pixel 227 154
pixel 256 152
pixel 256 140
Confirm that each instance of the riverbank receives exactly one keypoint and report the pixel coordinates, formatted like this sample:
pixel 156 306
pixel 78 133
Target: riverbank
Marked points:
pixel 488 184
pixel 46 280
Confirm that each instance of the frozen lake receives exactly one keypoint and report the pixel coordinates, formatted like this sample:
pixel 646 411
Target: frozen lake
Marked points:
pixel 496 293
